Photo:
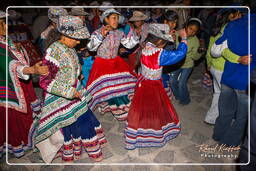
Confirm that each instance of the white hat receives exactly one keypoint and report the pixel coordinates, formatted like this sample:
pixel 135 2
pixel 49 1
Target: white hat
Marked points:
pixel 107 13
pixel 160 31
pixel 138 16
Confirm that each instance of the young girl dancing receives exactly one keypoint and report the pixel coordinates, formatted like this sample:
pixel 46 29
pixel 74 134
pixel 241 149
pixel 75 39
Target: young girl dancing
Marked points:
pixel 152 119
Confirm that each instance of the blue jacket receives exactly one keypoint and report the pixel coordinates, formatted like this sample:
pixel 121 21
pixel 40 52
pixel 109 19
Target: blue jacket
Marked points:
pixel 235 37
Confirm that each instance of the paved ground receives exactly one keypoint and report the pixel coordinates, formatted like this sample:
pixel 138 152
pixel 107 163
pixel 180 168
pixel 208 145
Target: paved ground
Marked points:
pixel 183 149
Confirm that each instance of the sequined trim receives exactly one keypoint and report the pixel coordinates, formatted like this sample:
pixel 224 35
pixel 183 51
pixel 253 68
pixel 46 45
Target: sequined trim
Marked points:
pixel 151 74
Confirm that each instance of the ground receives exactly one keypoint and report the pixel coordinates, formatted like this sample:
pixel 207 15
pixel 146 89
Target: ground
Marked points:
pixel 182 149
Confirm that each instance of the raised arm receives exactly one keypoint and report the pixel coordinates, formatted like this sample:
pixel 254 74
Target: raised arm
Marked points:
pixel 95 40
pixel 169 57
pixel 131 40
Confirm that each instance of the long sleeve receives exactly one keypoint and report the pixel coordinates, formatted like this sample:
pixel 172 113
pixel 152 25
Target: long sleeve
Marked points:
pixel 219 45
pixel 194 50
pixel 169 57
pixel 21 59
pixel 208 53
pixel 56 82
pixel 131 40
pixel 230 56
pixel 220 48
pixel 95 40
pixel 20 72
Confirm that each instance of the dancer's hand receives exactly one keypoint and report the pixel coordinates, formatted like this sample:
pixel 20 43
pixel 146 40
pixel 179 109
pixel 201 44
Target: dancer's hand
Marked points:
pixel 245 60
pixel 173 34
pixel 182 33
pixel 105 30
pixel 36 69
pixel 77 95
pixel 122 50
pixel 41 70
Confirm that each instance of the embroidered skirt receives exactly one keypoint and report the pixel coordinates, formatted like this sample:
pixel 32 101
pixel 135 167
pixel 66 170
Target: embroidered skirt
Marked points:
pixel 19 124
pixel 111 83
pixel 152 119
pixel 84 135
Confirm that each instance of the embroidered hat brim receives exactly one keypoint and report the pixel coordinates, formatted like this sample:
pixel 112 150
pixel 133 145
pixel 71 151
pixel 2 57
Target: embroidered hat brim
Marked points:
pixel 55 13
pixel 161 31
pixel 72 26
pixel 109 12
pixel 82 33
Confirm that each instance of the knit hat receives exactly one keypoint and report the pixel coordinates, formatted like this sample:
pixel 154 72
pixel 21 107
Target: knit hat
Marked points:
pixel 160 31
pixel 55 13
pixel 72 26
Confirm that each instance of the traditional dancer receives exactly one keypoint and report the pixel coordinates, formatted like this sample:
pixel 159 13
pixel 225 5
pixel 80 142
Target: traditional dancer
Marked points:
pixel 20 33
pixel 66 121
pixel 138 23
pixel 50 34
pixel 152 119
pixel 111 80
pixel 22 102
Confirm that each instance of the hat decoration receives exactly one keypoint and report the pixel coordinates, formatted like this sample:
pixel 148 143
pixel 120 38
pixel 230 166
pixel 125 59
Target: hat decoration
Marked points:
pixel 55 13
pixel 73 27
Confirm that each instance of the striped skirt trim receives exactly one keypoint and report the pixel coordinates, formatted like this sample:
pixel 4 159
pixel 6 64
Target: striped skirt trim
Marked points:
pixel 119 112
pixel 73 149
pixel 140 138
pixel 110 86
pixel 169 92
pixel 17 151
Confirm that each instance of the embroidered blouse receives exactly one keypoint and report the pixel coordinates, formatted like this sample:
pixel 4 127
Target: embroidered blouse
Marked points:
pixel 60 108
pixel 17 60
pixel 108 47
pixel 154 58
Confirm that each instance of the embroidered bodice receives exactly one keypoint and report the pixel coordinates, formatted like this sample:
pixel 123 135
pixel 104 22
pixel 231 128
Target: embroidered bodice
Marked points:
pixel 64 70
pixel 154 58
pixel 108 47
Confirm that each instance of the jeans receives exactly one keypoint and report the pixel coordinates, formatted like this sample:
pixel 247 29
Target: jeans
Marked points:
pixel 213 112
pixel 233 113
pixel 179 84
